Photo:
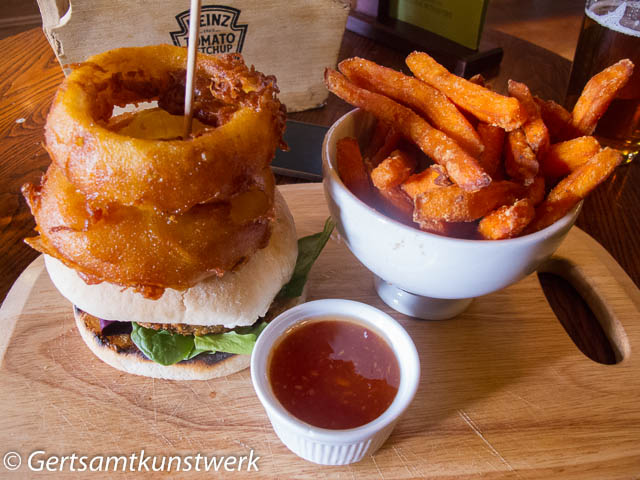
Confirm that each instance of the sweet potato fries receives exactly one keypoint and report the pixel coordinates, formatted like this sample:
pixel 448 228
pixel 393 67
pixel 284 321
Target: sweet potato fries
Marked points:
pixel 447 152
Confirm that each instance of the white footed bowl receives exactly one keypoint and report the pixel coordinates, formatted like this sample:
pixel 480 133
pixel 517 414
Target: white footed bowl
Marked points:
pixel 418 273
pixel 321 445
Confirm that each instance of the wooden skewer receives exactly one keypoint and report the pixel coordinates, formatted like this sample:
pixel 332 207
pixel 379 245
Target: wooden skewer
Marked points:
pixel 194 30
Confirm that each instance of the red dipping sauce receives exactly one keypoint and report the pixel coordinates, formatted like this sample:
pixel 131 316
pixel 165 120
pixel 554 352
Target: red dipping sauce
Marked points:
pixel 334 373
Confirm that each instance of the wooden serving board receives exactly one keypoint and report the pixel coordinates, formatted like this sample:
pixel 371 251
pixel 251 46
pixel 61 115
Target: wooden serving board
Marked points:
pixel 504 391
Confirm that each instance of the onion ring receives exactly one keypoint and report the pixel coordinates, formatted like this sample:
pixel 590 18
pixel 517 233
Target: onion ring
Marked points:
pixel 169 175
pixel 142 247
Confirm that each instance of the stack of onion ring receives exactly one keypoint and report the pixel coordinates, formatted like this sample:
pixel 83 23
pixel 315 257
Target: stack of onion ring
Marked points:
pixel 150 209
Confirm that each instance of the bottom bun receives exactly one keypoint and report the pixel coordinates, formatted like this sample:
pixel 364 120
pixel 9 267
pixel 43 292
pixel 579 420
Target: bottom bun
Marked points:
pixel 202 367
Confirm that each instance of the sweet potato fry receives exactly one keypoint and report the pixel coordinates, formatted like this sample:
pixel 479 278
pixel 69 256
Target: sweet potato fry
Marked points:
pixel 378 138
pixel 478 79
pixel 564 157
pixel 493 139
pixel 393 170
pixel 410 91
pixel 534 128
pixel 351 168
pixel 390 143
pixel 416 184
pixel 507 221
pixel 536 191
pixel 432 177
pixel 395 203
pixel 453 204
pixel 461 167
pixel 598 94
pixel 558 121
pixel 588 176
pixel 486 105
pixel 566 194
pixel 387 176
pixel 520 162
pixel 520 91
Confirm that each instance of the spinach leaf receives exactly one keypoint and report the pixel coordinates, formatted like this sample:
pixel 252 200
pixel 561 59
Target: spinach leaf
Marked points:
pixel 308 250
pixel 241 340
pixel 161 346
pixel 167 348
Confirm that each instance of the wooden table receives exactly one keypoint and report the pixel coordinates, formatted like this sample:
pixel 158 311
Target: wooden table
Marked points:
pixel 31 75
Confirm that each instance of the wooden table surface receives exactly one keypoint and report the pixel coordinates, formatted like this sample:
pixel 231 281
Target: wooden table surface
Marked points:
pixel 31 75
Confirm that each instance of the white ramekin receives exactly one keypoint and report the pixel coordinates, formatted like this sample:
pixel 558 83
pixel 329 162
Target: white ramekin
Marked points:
pixel 321 445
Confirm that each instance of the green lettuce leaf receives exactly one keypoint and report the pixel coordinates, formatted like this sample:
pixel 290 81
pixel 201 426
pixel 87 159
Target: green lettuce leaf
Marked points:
pixel 308 250
pixel 161 346
pixel 240 341
pixel 168 348
pixel 196 351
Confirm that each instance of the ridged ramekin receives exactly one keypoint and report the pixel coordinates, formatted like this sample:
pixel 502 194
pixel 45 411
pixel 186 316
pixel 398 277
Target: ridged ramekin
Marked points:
pixel 321 445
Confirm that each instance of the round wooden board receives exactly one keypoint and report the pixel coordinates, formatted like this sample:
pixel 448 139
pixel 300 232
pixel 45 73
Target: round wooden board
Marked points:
pixel 504 391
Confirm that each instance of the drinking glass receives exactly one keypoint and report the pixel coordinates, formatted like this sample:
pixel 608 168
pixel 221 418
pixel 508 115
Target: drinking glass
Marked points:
pixel 611 32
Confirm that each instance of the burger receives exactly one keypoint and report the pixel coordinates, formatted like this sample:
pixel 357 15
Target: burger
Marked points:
pixel 175 248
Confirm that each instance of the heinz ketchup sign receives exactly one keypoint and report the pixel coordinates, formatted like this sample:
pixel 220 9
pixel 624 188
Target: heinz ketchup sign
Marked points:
pixel 219 30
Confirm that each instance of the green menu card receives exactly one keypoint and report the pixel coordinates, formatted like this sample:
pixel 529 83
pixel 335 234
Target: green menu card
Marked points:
pixel 457 20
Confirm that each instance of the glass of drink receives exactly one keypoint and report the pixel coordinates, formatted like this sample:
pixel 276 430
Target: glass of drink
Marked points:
pixel 611 32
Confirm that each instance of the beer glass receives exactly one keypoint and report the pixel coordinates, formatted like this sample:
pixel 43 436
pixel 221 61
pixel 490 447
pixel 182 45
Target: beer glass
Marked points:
pixel 610 32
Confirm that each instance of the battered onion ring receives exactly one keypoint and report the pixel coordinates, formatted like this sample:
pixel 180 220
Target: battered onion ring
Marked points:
pixel 143 248
pixel 170 175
